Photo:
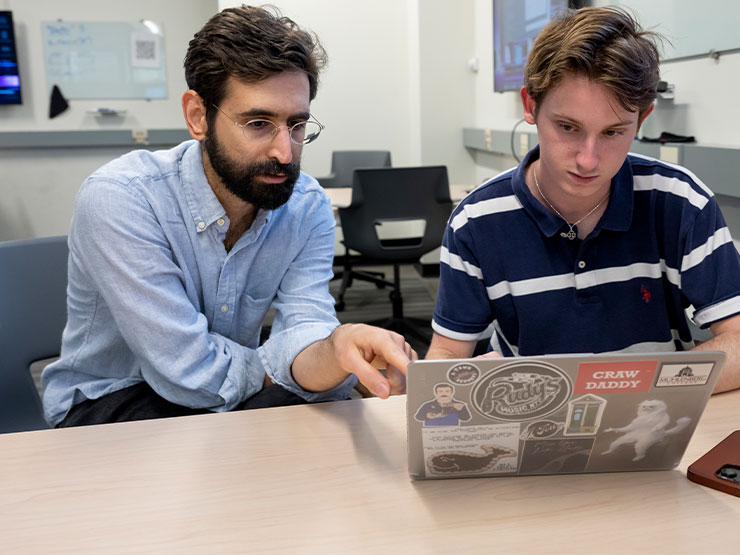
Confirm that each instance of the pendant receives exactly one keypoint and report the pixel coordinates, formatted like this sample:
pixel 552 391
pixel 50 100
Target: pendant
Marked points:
pixel 571 234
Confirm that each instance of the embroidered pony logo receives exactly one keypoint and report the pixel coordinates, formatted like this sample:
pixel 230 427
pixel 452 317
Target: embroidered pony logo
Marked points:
pixel 645 293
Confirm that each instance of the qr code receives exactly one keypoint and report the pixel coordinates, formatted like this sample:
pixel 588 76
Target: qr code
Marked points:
pixel 146 50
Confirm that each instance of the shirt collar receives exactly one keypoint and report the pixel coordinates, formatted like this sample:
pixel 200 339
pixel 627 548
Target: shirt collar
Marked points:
pixel 616 217
pixel 205 208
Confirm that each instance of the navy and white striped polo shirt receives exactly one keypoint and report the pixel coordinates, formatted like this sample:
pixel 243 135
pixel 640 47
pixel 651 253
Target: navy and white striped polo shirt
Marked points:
pixel 660 246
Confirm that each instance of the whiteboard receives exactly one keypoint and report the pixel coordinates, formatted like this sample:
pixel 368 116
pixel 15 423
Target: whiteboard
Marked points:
pixel 101 60
pixel 693 28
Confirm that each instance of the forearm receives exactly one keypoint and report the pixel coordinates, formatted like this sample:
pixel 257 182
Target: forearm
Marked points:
pixel 729 342
pixel 445 348
pixel 355 349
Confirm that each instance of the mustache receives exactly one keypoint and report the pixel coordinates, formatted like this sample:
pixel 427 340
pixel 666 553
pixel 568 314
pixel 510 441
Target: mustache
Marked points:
pixel 273 167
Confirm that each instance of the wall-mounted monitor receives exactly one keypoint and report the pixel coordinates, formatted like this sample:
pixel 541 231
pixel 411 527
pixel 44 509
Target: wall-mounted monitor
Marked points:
pixel 10 80
pixel 516 23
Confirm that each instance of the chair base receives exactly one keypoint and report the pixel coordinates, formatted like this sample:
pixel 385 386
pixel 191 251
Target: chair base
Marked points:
pixel 348 275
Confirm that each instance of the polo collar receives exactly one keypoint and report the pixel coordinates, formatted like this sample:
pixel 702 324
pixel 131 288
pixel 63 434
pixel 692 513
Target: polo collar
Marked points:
pixel 616 217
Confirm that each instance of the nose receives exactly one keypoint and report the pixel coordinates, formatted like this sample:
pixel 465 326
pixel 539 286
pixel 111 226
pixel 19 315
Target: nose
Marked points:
pixel 281 147
pixel 587 158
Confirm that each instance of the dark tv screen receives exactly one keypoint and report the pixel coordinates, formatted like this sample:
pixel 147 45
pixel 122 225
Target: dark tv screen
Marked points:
pixel 516 23
pixel 10 81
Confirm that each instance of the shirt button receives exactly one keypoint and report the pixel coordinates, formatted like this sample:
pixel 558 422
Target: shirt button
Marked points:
pixel 224 308
pixel 220 221
pixel 581 264
pixel 563 234
pixel 201 225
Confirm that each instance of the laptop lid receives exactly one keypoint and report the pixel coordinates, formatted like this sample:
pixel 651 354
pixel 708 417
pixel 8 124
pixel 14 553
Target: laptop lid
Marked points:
pixel 555 414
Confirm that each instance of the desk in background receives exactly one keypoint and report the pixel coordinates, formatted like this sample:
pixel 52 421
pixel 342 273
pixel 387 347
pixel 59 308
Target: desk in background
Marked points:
pixel 332 478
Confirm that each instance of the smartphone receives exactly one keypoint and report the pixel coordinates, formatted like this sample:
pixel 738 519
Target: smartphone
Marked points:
pixel 719 468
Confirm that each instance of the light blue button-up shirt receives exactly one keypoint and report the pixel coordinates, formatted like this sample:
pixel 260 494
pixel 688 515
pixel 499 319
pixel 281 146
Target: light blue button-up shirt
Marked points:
pixel 153 295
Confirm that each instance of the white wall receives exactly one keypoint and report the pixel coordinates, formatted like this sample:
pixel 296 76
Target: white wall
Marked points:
pixel 38 185
pixel 397 79
pixel 705 102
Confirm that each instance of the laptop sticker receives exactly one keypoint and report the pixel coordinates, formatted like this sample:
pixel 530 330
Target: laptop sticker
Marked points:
pixel 521 390
pixel 542 429
pixel 464 373
pixel 553 456
pixel 615 377
pixel 490 448
pixel 444 409
pixel 651 427
pixel 672 375
pixel 584 415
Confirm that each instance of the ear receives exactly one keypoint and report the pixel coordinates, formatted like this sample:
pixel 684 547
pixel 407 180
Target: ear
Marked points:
pixel 195 114
pixel 529 106
pixel 645 115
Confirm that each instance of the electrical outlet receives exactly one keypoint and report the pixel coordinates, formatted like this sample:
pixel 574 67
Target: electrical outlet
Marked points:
pixel 523 144
pixel 669 154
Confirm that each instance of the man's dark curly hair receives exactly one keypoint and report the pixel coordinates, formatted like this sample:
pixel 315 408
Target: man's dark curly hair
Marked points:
pixel 250 44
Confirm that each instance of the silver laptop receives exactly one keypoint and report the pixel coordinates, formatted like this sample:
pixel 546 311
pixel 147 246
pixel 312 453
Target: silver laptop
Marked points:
pixel 555 414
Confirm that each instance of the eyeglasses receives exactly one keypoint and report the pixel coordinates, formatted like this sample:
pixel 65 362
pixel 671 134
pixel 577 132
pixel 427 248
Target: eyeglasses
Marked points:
pixel 264 130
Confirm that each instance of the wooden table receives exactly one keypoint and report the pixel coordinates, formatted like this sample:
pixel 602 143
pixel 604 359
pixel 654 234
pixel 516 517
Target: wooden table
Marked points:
pixel 332 478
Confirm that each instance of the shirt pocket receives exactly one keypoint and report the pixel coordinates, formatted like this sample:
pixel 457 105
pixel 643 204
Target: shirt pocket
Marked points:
pixel 253 312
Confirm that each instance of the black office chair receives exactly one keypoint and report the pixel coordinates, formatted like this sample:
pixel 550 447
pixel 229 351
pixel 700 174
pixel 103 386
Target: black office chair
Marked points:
pixel 345 162
pixel 343 165
pixel 33 312
pixel 396 195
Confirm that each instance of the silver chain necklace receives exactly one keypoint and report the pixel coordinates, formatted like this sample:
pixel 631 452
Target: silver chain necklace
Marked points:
pixel 571 234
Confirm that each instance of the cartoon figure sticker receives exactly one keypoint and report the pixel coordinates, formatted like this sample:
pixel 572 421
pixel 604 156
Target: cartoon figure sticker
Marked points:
pixel 471 450
pixel 444 409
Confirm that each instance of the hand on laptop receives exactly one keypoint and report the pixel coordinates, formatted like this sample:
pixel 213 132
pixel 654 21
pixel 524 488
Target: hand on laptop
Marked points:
pixel 362 350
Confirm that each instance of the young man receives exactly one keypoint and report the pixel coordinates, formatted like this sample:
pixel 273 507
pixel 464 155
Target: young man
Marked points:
pixel 584 248
pixel 176 256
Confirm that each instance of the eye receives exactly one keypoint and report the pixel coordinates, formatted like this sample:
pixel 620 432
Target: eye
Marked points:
pixel 613 132
pixel 260 124
pixel 567 127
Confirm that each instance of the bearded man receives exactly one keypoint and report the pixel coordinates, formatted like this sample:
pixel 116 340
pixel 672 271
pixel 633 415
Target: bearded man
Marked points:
pixel 176 256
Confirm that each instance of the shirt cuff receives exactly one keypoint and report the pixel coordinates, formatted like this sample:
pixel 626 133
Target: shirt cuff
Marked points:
pixel 278 353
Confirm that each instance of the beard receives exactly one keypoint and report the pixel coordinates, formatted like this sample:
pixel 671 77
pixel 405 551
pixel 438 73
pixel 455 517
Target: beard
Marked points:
pixel 241 179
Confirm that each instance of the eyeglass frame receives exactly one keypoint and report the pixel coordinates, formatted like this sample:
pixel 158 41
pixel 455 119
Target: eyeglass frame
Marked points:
pixel 277 129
